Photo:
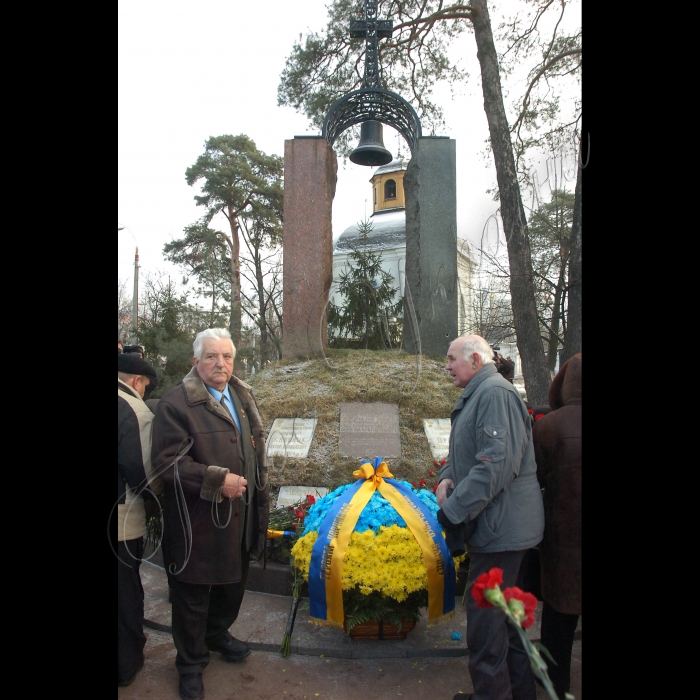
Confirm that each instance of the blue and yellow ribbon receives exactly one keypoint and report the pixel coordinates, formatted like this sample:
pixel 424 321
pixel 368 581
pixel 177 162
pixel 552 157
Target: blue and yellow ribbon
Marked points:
pixel 331 546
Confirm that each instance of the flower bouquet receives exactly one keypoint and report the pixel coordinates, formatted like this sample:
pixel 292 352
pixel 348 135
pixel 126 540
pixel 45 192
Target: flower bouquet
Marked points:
pixel 286 523
pixel 519 607
pixel 291 520
pixel 373 551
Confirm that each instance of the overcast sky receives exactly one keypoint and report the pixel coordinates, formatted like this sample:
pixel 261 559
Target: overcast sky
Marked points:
pixel 188 71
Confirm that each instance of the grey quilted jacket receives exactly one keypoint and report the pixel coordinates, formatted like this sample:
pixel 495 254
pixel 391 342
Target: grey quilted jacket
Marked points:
pixel 492 463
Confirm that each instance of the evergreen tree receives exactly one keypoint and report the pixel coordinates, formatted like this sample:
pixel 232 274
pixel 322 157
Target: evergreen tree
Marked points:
pixel 168 324
pixel 244 184
pixel 368 314
pixel 203 253
pixel 550 229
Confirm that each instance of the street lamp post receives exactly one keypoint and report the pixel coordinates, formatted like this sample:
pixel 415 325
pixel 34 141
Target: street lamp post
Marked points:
pixel 135 302
pixel 135 299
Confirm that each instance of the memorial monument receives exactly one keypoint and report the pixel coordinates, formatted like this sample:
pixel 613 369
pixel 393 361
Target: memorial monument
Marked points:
pixel 431 293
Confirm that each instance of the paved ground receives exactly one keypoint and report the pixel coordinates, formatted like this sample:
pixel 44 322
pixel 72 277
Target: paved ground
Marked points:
pixel 324 663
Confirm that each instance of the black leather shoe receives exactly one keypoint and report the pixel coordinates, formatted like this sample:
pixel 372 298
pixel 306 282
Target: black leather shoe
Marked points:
pixel 232 650
pixel 191 686
pixel 129 681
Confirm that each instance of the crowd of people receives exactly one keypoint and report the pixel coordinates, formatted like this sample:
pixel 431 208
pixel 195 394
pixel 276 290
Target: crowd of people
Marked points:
pixel 491 488
pixel 203 445
pixel 509 484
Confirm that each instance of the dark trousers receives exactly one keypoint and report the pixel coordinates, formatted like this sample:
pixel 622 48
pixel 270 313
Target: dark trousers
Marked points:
pixel 558 638
pixel 130 637
pixel 202 615
pixel 498 664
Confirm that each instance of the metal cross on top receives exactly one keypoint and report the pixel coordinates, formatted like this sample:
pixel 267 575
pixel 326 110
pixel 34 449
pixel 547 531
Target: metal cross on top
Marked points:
pixel 371 105
pixel 370 28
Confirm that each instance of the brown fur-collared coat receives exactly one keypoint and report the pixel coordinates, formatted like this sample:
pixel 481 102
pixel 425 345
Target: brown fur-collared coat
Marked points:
pixel 211 554
pixel 557 439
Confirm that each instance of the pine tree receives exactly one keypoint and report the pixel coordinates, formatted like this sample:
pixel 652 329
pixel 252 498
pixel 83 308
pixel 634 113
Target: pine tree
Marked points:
pixel 367 316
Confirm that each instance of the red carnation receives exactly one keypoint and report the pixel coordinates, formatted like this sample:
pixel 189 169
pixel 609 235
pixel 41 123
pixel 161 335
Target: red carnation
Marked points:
pixel 299 513
pixel 431 472
pixel 530 411
pixel 539 415
pixel 487 580
pixel 435 487
pixel 527 599
pixel 435 462
pixel 422 482
pixel 442 462
pixel 310 499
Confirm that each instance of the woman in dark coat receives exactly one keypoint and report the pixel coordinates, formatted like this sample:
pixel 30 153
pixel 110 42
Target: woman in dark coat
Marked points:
pixel 557 439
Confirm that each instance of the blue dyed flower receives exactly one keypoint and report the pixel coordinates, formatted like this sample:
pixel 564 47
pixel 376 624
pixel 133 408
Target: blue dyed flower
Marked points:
pixel 376 513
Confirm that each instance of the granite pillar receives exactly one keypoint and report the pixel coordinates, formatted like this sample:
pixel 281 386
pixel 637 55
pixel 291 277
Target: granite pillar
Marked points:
pixel 432 292
pixel 310 168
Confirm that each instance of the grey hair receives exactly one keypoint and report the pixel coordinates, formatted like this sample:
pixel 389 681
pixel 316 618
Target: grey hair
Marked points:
pixel 210 333
pixel 476 344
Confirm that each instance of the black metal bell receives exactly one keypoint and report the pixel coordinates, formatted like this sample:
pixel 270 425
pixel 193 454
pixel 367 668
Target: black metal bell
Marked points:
pixel 370 150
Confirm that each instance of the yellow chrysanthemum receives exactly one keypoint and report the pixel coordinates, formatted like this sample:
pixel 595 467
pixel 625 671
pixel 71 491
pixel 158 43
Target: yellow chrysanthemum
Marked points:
pixel 389 561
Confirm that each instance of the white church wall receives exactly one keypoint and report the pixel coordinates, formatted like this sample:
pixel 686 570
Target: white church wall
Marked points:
pixel 465 305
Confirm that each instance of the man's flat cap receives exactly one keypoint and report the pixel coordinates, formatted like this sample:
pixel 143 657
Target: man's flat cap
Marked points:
pixel 133 364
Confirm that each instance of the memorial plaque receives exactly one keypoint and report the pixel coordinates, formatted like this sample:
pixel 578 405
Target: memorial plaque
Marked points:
pixel 369 430
pixel 437 431
pixel 290 437
pixel 291 495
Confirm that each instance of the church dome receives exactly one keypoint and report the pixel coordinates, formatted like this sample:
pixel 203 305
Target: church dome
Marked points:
pixel 389 217
pixel 388 231
pixel 395 165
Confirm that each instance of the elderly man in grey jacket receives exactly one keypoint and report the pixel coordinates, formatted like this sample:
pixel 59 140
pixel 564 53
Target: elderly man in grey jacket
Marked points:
pixel 489 491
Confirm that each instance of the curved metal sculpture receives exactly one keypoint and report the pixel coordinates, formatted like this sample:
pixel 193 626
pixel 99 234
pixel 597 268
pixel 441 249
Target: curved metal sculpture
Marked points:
pixel 372 101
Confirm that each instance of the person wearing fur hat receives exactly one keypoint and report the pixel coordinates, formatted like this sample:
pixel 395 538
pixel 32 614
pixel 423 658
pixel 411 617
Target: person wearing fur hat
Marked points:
pixel 135 421
pixel 557 439
pixel 208 436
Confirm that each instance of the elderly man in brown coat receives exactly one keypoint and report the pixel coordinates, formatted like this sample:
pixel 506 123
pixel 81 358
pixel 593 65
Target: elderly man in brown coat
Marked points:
pixel 557 439
pixel 216 503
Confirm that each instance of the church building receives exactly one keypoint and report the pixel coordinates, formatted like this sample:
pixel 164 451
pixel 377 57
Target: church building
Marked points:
pixel 388 236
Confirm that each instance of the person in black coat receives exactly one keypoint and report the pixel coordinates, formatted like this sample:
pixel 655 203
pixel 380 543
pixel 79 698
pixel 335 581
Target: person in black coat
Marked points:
pixel 557 438
pixel 134 475
pixel 505 367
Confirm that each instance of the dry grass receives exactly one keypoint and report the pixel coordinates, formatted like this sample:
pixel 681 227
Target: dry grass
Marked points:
pixel 315 388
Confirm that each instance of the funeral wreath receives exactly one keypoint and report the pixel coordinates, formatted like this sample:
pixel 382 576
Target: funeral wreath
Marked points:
pixel 373 550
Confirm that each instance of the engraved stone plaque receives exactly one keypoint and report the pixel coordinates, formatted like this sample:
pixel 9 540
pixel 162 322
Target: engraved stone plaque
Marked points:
pixel 437 431
pixel 291 495
pixel 369 430
pixel 290 437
